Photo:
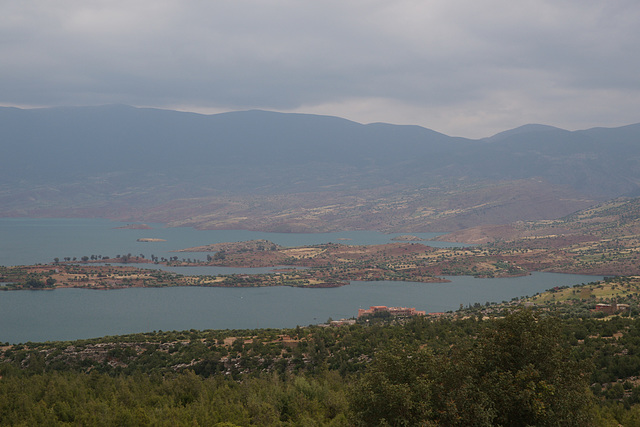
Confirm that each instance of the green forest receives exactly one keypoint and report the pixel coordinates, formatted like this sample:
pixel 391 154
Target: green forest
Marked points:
pixel 517 367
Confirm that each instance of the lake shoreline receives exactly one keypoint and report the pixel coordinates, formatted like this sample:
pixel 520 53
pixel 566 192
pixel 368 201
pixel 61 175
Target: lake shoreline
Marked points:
pixel 76 313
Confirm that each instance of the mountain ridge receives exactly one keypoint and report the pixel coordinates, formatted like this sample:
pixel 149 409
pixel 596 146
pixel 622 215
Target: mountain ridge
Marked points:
pixel 526 128
pixel 129 162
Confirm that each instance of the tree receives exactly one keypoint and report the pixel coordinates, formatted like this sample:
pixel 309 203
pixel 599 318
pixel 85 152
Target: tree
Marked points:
pixel 396 390
pixel 34 283
pixel 529 375
pixel 518 372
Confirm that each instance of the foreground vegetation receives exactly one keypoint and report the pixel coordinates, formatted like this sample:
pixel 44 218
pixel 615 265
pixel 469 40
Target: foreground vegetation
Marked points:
pixel 559 363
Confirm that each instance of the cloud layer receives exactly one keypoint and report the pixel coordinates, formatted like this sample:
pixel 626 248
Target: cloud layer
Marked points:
pixel 461 67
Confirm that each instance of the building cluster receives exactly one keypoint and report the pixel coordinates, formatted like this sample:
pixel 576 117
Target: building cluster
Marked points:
pixel 612 308
pixel 394 311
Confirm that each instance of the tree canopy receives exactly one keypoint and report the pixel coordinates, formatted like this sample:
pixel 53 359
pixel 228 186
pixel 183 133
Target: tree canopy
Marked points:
pixel 517 372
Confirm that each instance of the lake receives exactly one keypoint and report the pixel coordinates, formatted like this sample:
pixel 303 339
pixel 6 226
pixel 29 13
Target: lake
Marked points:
pixel 29 241
pixel 68 314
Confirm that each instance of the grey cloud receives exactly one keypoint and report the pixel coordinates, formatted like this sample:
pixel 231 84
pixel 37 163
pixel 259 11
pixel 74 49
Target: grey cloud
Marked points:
pixel 445 56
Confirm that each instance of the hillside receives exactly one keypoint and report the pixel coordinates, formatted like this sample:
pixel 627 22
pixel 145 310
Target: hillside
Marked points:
pixel 296 172
pixel 614 219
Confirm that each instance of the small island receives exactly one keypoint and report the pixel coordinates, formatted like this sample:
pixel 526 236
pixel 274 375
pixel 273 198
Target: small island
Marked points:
pixel 407 238
pixel 257 245
pixel 134 227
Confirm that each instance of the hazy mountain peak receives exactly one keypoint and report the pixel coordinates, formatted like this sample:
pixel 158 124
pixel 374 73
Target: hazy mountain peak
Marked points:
pixel 528 128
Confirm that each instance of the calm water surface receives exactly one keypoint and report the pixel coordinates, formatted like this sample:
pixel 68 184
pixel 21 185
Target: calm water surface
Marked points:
pixel 29 241
pixel 67 314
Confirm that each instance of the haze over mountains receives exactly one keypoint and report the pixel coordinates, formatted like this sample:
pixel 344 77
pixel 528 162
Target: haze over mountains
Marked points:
pixel 295 172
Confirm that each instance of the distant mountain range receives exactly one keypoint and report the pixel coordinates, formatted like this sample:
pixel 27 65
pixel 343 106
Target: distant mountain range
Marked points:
pixel 299 172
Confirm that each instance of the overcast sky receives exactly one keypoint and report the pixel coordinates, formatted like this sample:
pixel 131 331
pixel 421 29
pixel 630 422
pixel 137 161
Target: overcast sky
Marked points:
pixel 462 67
